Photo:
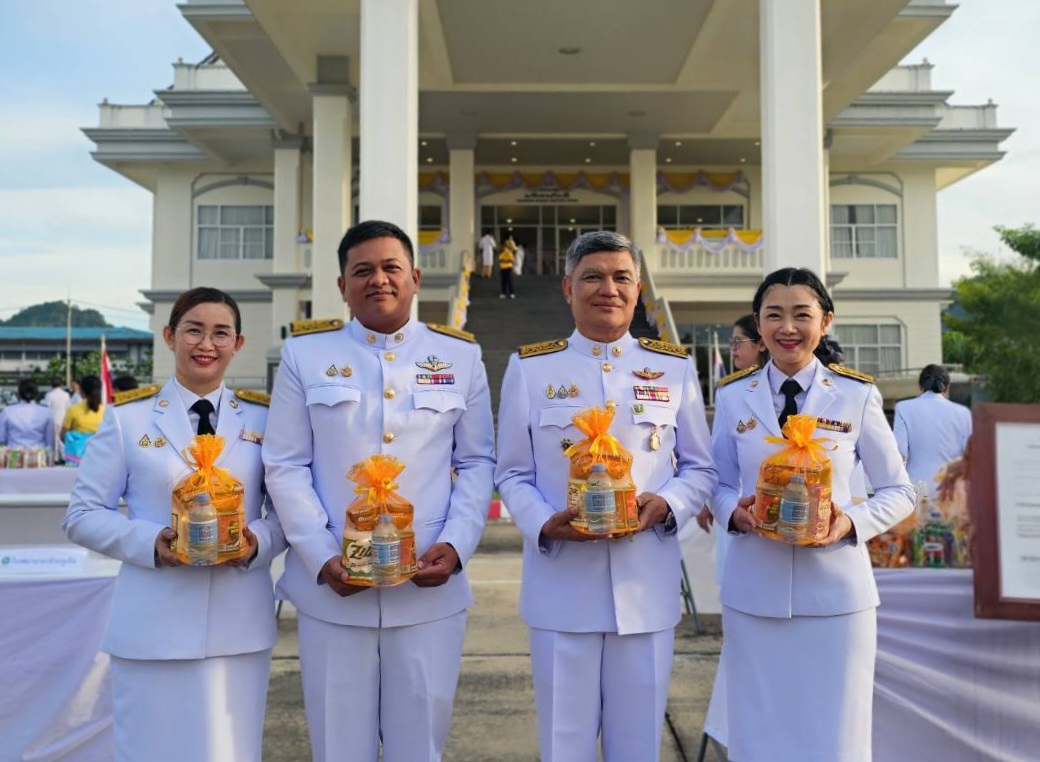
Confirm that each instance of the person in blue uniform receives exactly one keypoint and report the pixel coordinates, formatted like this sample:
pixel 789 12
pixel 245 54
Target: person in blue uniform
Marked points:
pixel 800 622
pixel 191 646
pixel 26 423
pixel 380 666
pixel 602 613
pixel 930 430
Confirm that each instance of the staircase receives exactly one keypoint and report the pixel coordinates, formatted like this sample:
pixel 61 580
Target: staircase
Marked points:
pixel 538 313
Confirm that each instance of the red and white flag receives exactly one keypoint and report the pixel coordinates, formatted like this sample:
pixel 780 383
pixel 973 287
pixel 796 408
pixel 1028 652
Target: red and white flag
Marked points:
pixel 107 390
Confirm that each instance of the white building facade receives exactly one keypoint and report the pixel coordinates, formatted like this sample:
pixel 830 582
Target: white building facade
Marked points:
pixel 725 137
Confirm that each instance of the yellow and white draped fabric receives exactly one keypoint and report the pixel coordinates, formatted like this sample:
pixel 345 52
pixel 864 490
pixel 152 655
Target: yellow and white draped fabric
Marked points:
pixel 713 241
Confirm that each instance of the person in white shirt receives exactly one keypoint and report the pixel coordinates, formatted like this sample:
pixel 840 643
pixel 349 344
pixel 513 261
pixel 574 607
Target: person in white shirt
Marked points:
pixel 58 401
pixel 518 260
pixel 26 423
pixel 487 247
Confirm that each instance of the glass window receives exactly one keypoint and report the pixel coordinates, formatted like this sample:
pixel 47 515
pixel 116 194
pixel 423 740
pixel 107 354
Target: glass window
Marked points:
pixel 235 232
pixel 711 217
pixel 487 216
pixel 864 231
pixel 430 217
pixel 668 216
pixel 871 348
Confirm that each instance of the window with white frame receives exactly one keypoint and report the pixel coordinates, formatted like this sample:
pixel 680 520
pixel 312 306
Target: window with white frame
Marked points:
pixel 871 348
pixel 864 231
pixel 236 232
pixel 711 217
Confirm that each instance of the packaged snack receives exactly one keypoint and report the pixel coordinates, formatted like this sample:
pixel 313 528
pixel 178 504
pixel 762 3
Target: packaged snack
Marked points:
pixel 611 496
pixel 226 494
pixel 374 555
pixel 793 494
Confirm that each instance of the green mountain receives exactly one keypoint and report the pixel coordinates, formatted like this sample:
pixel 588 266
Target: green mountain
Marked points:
pixel 50 314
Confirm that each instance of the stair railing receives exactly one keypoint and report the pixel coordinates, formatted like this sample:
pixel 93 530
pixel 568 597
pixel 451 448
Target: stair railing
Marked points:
pixel 658 311
pixel 458 294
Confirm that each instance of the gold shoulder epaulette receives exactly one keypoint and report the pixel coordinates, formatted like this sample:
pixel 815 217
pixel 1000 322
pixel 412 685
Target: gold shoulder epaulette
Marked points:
pixel 303 327
pixel 542 348
pixel 855 375
pixel 455 333
pixel 251 395
pixel 132 395
pixel 736 376
pixel 663 347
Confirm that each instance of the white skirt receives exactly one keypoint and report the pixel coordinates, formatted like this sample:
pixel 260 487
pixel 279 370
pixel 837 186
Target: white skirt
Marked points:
pixel 202 710
pixel 800 689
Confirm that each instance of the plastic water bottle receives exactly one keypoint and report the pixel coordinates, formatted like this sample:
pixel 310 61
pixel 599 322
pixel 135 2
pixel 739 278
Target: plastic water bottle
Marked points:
pixel 794 509
pixel 202 531
pixel 600 501
pixel 386 552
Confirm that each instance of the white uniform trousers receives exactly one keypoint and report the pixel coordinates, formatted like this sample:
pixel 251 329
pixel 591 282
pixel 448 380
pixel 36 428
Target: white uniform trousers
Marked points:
pixel 203 710
pixel 600 683
pixel 715 723
pixel 363 684
pixel 799 689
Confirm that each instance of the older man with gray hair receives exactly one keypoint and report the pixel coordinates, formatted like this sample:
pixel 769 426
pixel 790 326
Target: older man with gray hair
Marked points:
pixel 602 613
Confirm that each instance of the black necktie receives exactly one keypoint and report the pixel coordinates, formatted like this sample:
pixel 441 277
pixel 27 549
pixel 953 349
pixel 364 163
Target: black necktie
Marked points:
pixel 203 408
pixel 789 389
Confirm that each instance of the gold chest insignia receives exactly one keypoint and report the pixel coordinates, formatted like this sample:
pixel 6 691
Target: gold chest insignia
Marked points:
pixel 648 375
pixel 433 364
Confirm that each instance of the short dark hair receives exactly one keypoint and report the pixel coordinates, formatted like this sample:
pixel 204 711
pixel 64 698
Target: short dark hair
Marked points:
pixel 124 383
pixel 828 350
pixel 55 382
pixel 27 390
pixel 594 241
pixel 203 295
pixel 934 378
pixel 368 231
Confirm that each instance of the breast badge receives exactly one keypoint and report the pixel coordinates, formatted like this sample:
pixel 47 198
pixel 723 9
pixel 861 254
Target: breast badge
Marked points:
pixel 159 442
pixel 332 370
pixel 748 426
pixel 648 375
pixel 433 364
pixel 251 436
pixel 346 371
pixel 435 379
pixel 144 441
pixel 832 425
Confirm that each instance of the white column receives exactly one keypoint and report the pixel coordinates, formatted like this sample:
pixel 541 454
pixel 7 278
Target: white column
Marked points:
pixel 461 201
pixel 331 202
pixel 286 228
pixel 793 177
pixel 642 203
pixel 389 101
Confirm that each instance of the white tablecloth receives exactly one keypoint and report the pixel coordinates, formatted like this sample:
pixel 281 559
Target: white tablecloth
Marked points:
pixel 35 481
pixel 55 699
pixel 949 687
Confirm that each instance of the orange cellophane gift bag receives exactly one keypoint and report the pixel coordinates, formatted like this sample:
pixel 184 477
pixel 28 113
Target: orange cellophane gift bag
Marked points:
pixel 793 495
pixel 376 495
pixel 599 446
pixel 225 492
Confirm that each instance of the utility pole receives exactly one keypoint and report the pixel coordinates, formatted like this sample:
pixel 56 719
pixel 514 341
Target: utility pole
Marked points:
pixel 68 341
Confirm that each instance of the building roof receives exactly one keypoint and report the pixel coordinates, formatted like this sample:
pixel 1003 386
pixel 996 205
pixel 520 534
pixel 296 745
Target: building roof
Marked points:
pixel 49 333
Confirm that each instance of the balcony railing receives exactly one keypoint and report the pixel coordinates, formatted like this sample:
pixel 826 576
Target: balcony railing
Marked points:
pixel 720 252
pixel 435 252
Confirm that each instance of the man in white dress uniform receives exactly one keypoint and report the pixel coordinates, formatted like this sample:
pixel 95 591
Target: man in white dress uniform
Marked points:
pixel 380 664
pixel 602 613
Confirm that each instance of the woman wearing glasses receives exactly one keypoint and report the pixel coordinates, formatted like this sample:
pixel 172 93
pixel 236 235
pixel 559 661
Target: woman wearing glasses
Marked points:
pixel 190 646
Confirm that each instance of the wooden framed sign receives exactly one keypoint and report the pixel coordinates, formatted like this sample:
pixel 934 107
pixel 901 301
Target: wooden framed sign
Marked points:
pixel 1004 499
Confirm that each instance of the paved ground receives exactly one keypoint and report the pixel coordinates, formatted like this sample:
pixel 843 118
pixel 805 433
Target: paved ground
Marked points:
pixel 494 717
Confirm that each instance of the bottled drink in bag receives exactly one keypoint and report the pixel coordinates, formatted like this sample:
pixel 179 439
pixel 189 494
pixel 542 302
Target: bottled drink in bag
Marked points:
pixel 386 552
pixel 600 501
pixel 794 509
pixel 202 531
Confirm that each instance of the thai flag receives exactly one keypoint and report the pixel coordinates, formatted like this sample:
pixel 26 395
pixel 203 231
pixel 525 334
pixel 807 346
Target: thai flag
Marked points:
pixel 718 368
pixel 107 390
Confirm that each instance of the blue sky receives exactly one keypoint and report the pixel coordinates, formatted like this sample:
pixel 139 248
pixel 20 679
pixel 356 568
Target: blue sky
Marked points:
pixel 66 222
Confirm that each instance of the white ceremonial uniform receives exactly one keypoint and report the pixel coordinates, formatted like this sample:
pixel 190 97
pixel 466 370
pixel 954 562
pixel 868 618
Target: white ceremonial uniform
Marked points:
pixel 930 432
pixel 26 424
pixel 487 250
pixel 343 394
pixel 187 641
pixel 799 622
pixel 57 401
pixel 602 614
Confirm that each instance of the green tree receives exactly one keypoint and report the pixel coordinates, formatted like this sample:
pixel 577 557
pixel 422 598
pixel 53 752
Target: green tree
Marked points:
pixel 999 334
pixel 55 314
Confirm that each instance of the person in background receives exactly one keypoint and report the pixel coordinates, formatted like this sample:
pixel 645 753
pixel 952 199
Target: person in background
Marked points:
pixel 930 430
pixel 124 383
pixel 800 622
pixel 75 397
pixel 58 402
pixel 518 264
pixel 82 420
pixel 190 645
pixel 26 423
pixel 487 253
pixel 506 260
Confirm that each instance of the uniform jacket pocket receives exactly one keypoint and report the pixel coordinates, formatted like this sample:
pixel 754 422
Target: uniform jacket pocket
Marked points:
pixel 438 399
pixel 331 395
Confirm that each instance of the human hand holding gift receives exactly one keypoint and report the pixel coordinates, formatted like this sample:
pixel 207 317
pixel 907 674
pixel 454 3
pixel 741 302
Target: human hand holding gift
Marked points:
pixel 436 565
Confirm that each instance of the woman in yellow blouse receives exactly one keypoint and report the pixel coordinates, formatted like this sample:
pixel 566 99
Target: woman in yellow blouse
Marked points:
pixel 82 419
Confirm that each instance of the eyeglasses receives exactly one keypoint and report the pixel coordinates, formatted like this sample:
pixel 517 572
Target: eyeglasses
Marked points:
pixel 735 343
pixel 221 338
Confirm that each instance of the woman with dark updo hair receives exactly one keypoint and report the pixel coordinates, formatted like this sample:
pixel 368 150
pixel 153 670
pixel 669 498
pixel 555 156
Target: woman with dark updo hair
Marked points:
pixel 799 621
pixel 930 430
